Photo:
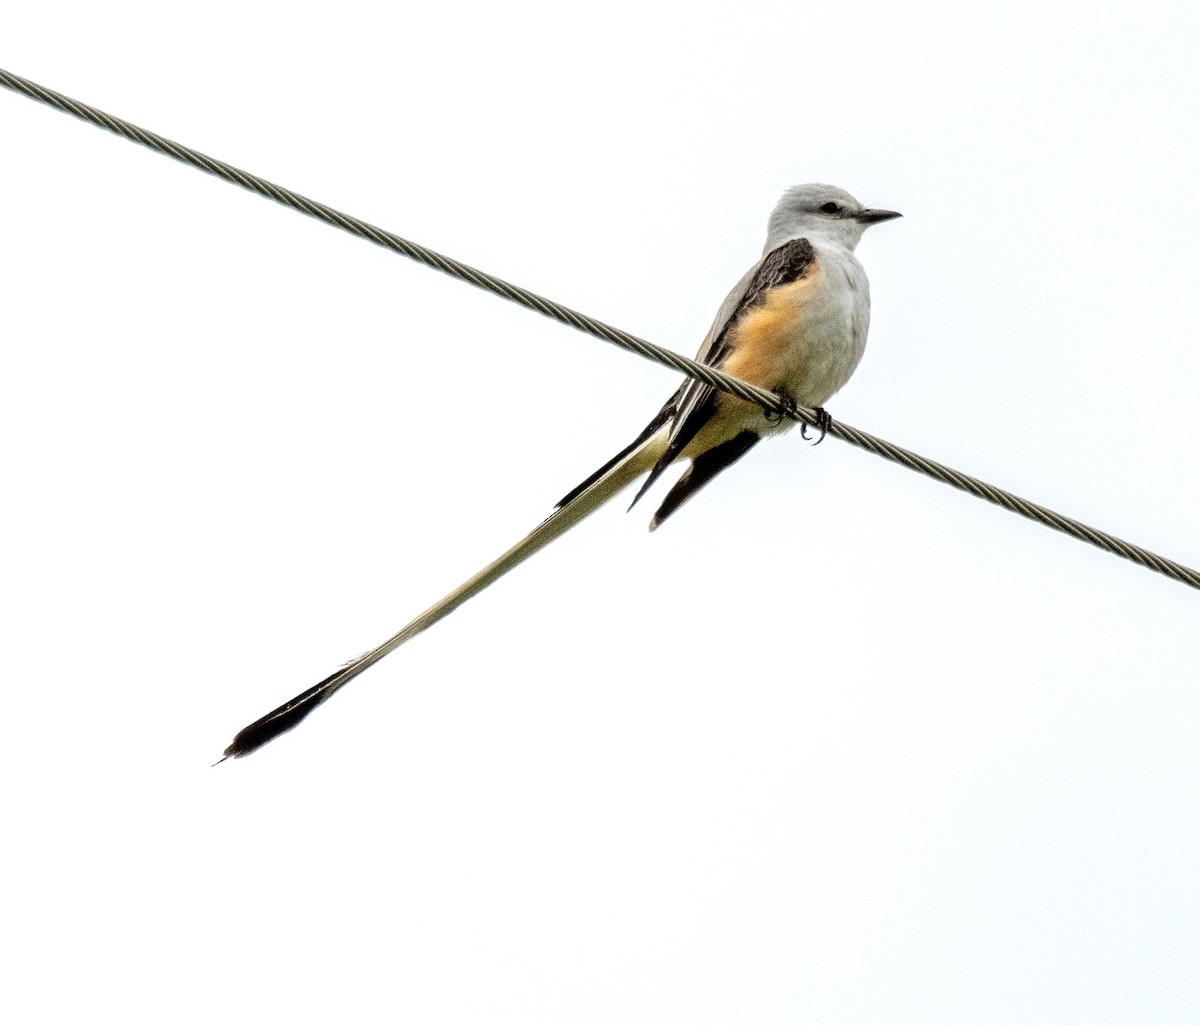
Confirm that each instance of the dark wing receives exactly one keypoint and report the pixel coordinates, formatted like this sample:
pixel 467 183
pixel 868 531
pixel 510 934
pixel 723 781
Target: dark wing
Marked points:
pixel 695 402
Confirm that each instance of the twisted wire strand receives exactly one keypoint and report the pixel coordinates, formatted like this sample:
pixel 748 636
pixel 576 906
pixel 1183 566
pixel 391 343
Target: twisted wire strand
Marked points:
pixel 709 375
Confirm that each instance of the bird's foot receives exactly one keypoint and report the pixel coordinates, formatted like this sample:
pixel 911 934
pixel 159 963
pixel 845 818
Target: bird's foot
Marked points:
pixel 788 412
pixel 824 422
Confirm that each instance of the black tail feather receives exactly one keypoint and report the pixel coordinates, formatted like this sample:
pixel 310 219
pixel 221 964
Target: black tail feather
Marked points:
pixel 285 717
pixel 664 415
pixel 703 469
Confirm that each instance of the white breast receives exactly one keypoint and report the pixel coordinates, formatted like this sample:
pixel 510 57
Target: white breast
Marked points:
pixel 832 332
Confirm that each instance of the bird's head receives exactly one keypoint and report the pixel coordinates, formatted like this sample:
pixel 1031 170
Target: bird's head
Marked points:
pixel 821 212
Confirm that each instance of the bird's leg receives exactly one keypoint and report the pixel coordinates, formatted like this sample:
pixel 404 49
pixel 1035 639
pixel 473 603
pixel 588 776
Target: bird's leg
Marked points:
pixel 824 422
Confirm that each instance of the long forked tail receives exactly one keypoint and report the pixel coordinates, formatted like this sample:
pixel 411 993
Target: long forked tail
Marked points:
pixel 579 504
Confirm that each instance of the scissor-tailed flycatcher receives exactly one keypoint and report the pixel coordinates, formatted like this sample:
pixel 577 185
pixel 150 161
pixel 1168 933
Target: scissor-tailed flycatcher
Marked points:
pixel 796 324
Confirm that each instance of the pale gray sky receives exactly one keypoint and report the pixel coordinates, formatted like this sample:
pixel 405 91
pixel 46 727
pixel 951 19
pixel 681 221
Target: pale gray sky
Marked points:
pixel 836 745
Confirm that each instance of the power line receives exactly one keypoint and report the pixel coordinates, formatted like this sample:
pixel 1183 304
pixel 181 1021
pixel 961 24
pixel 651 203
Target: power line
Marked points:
pixel 556 311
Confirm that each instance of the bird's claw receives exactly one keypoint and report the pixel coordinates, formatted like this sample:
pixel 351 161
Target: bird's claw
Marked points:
pixel 824 422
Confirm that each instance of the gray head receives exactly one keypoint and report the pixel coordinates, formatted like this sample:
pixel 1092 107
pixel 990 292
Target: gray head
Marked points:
pixel 822 213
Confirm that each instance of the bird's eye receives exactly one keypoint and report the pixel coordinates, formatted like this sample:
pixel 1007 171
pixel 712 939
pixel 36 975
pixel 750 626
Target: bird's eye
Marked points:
pixel 830 208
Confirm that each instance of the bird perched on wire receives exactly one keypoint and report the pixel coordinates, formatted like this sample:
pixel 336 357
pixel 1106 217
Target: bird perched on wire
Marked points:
pixel 795 324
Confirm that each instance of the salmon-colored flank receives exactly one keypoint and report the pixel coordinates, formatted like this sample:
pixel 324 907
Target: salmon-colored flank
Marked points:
pixel 765 350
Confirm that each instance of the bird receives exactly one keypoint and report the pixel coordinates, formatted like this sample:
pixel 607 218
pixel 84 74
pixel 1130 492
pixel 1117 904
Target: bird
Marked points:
pixel 795 324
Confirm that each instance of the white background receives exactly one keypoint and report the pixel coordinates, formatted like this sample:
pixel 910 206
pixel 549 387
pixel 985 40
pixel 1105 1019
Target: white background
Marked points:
pixel 838 744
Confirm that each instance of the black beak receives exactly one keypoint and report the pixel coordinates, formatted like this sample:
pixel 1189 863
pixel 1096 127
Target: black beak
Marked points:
pixel 875 216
